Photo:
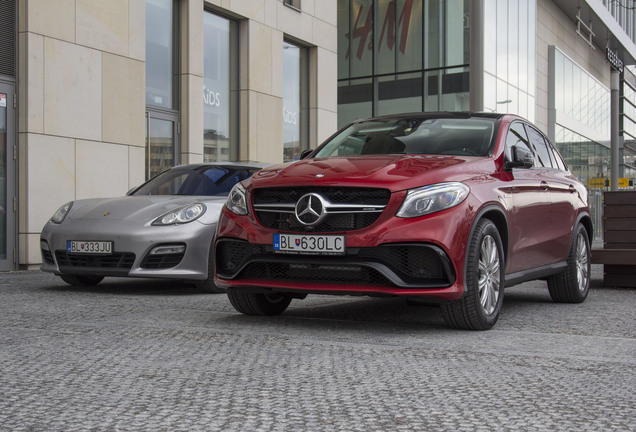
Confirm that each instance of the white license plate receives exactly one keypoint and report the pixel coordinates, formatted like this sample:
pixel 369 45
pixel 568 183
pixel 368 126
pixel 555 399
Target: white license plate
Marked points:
pixel 90 247
pixel 310 244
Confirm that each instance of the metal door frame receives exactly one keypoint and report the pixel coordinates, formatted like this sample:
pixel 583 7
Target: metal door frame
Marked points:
pixel 10 263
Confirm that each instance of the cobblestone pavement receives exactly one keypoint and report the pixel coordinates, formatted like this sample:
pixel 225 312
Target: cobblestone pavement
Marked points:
pixel 155 356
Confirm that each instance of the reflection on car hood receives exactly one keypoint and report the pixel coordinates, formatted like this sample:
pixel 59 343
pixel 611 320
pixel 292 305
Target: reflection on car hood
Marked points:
pixel 138 208
pixel 396 172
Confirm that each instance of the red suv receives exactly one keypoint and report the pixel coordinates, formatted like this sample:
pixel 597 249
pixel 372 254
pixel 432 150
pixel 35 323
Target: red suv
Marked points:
pixel 447 208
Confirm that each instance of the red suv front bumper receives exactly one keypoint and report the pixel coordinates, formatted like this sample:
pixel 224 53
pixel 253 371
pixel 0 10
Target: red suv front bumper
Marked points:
pixel 422 257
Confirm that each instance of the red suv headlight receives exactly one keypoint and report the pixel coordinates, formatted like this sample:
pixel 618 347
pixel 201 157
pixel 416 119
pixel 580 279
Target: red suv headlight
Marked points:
pixel 236 201
pixel 432 198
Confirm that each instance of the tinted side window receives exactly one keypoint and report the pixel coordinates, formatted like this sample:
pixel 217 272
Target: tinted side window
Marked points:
pixel 540 147
pixel 556 156
pixel 516 137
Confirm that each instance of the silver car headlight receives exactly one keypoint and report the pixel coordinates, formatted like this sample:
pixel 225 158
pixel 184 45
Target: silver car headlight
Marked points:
pixel 181 215
pixel 433 198
pixel 236 201
pixel 61 213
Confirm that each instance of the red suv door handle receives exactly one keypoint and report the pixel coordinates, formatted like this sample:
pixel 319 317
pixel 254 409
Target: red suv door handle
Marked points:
pixel 572 189
pixel 545 186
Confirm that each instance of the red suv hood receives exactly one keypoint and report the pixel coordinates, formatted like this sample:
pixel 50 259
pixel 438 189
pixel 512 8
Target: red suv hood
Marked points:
pixel 394 172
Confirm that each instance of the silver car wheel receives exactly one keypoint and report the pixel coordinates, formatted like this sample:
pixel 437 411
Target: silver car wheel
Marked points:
pixel 582 265
pixel 489 267
pixel 481 304
pixel 572 284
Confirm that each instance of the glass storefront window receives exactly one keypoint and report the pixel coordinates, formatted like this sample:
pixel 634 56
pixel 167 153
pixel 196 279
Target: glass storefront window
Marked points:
pixel 628 126
pixel 586 159
pixel 447 90
pixel 294 101
pixel 456 33
pixel 447 33
pixel 402 55
pixel 509 71
pixel 629 159
pixel 490 38
pixel 220 89
pixel 344 35
pixel 501 30
pixel 162 85
pixel 356 23
pixel 628 102
pixel 399 44
pixel 433 23
pixel 355 100
pixel 161 54
pixel 589 161
pixel 581 102
pixel 400 93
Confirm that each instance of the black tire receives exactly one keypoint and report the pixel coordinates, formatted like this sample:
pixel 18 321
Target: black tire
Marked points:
pixel 481 304
pixel 257 303
pixel 572 285
pixel 208 285
pixel 81 280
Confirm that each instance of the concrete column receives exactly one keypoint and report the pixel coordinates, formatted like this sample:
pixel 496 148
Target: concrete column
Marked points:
pixel 614 115
pixel 191 81
pixel 476 55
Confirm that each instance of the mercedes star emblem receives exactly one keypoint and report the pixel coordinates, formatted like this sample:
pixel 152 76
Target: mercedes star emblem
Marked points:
pixel 310 209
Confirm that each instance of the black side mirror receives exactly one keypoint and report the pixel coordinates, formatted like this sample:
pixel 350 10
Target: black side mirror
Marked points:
pixel 306 153
pixel 522 157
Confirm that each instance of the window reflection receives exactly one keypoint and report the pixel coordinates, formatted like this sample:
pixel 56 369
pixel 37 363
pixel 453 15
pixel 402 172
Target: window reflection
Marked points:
pixel 589 161
pixel 402 55
pixel 509 71
pixel 160 150
pixel 399 43
pixel 399 94
pixel 355 100
pixel 581 101
pixel 161 54
pixel 219 89
pixel 294 101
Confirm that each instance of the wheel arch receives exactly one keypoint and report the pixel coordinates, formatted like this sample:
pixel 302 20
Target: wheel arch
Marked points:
pixel 497 216
pixel 585 219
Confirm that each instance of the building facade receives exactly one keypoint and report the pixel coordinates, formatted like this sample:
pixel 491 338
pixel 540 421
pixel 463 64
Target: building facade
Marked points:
pixel 109 93
pixel 97 96
pixel 551 61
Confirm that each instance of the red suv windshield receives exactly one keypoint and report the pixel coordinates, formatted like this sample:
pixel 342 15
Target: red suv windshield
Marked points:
pixel 442 136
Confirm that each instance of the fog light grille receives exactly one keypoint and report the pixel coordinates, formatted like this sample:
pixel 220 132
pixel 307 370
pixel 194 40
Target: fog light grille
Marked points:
pixel 336 274
pixel 120 261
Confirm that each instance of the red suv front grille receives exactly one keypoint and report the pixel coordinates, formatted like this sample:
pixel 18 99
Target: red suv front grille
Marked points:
pixel 267 201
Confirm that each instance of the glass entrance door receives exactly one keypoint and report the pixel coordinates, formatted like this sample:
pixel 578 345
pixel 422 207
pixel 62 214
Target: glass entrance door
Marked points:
pixel 162 146
pixel 7 178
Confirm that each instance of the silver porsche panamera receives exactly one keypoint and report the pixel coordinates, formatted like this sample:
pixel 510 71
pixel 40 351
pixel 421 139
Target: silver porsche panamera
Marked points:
pixel 161 229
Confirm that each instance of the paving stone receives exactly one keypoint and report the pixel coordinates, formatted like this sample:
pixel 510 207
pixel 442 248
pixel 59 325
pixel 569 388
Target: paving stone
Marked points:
pixel 159 356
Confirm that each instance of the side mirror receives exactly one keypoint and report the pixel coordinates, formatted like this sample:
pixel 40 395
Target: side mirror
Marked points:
pixel 306 153
pixel 522 157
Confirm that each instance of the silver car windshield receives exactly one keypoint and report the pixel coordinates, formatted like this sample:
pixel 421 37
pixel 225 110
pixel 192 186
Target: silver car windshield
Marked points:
pixel 443 136
pixel 208 181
